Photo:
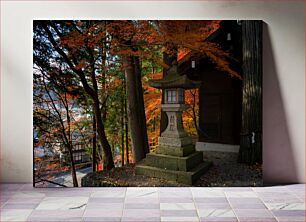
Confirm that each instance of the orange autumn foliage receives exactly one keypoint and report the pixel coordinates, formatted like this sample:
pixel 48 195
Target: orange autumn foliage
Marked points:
pixel 190 116
pixel 152 101
pixel 123 37
pixel 182 53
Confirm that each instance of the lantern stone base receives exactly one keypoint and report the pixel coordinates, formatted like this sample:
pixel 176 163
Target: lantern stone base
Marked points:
pixel 174 141
pixel 175 151
pixel 173 162
pixel 185 177
pixel 181 164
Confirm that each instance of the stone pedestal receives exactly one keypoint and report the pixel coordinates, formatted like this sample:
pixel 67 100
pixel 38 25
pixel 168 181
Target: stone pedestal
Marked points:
pixel 175 158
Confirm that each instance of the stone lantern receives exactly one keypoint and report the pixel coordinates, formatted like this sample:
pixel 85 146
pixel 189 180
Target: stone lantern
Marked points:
pixel 175 157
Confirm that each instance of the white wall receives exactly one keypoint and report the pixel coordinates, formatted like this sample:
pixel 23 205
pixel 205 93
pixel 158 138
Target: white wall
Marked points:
pixel 284 72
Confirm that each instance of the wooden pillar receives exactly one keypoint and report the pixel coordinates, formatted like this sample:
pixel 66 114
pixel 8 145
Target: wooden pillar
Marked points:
pixel 251 129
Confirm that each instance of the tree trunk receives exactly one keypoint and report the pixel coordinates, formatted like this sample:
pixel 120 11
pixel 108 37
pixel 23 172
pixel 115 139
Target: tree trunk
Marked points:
pixel 70 146
pixel 122 131
pixel 94 144
pixel 194 113
pixel 108 157
pixel 142 114
pixel 126 129
pixel 135 108
pixel 251 130
pixel 104 110
pixel 73 171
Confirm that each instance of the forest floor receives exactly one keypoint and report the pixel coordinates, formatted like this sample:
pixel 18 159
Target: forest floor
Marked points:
pixel 224 172
pixel 227 172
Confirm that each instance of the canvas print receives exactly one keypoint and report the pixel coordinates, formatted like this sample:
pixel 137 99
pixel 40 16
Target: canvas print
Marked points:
pixel 147 103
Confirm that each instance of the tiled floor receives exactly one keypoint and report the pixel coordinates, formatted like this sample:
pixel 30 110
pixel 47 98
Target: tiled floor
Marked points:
pixel 21 202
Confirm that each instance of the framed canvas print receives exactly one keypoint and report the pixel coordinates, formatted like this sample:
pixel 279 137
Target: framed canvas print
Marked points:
pixel 147 103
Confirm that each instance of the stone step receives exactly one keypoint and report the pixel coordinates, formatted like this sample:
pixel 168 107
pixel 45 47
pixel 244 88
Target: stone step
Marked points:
pixel 187 178
pixel 175 150
pixel 174 162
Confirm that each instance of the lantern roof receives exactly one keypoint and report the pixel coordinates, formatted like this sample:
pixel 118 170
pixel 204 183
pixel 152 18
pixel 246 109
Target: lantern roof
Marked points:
pixel 174 80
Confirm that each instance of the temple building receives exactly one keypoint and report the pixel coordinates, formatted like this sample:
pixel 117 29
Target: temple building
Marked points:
pixel 220 96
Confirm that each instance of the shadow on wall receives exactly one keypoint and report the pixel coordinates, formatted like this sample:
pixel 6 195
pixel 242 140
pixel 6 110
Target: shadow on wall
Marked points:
pixel 278 161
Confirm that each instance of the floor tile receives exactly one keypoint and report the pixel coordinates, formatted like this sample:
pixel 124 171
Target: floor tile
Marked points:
pixel 216 213
pixel 27 194
pixel 238 189
pixel 178 213
pixel 176 189
pixel 269 204
pixel 210 200
pixel 213 206
pixel 275 189
pixel 54 219
pixel 105 189
pixel 246 203
pixel 108 194
pixel 291 219
pixel 289 213
pixel 3 200
pixel 10 186
pixel 218 219
pixel 140 219
pixel 274 197
pixel 285 206
pixel 69 193
pixel 281 200
pixel 20 206
pixel 256 219
pixel 102 205
pixel 105 200
pixel 209 192
pixel 133 192
pixel 245 200
pixel 248 206
pixel 141 213
pixel 141 206
pixel 296 186
pixel 253 213
pixel 103 213
pixel 57 213
pixel 27 187
pixel 62 203
pixel 25 200
pixel 101 219
pixel 175 193
pixel 177 206
pixel 176 199
pixel 300 195
pixel 178 219
pixel 14 214
pixel 243 194
pixel 141 200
